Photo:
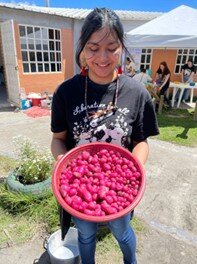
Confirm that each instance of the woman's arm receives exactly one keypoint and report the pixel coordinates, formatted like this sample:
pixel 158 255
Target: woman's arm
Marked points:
pixel 58 144
pixel 141 150
pixel 191 77
pixel 167 77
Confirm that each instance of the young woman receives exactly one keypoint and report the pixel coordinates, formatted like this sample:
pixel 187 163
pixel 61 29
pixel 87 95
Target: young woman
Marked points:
pixel 102 100
pixel 163 80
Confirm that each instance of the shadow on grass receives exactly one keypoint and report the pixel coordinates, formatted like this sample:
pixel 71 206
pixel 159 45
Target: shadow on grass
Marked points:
pixel 182 118
pixel 2 179
pixel 103 231
pixel 183 135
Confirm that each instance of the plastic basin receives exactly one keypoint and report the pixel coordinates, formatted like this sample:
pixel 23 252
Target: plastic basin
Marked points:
pixel 93 148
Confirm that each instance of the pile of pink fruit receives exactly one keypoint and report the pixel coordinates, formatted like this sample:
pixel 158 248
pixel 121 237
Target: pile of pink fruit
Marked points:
pixel 98 182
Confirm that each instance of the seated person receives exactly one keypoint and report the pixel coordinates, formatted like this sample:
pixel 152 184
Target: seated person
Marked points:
pixel 187 75
pixel 130 67
pixel 142 77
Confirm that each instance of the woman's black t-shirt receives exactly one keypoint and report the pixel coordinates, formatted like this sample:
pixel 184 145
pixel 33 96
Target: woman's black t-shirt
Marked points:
pixel 134 119
pixel 161 79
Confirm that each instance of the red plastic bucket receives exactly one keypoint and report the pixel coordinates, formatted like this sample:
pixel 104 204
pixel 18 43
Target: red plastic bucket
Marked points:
pixel 36 101
pixel 93 148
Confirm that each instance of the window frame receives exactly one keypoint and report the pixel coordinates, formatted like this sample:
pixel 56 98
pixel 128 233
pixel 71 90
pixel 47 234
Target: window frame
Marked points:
pixel 29 45
pixel 184 54
pixel 148 52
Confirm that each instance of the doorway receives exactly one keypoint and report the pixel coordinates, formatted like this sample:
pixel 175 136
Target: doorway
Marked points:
pixel 10 86
pixel 3 89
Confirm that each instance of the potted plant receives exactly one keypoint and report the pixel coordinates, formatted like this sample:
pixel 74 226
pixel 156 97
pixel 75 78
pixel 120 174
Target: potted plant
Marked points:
pixel 33 171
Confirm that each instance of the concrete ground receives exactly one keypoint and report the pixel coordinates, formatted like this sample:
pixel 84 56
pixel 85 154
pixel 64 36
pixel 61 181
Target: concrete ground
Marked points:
pixel 168 207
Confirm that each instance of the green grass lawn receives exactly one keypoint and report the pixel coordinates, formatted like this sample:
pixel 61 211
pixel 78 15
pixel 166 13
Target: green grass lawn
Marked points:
pixel 177 126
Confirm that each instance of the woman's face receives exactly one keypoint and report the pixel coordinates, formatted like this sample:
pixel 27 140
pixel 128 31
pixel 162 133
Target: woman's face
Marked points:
pixel 162 67
pixel 102 53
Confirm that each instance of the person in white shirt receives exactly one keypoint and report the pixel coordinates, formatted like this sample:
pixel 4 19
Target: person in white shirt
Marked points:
pixel 130 67
pixel 142 77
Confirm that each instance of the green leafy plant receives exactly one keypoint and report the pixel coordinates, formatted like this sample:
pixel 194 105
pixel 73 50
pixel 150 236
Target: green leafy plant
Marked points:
pixel 33 164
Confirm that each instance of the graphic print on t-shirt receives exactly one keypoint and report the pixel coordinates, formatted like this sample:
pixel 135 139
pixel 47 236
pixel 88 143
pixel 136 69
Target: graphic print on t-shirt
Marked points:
pixel 111 131
pixel 187 72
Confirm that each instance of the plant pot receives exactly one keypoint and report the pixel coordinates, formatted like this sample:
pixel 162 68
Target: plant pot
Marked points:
pixel 40 188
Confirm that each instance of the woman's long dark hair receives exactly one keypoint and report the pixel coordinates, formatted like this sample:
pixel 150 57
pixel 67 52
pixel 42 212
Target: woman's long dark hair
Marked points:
pixel 97 19
pixel 166 70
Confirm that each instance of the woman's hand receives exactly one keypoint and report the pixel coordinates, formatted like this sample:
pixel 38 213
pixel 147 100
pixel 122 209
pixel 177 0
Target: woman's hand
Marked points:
pixel 59 156
pixel 159 88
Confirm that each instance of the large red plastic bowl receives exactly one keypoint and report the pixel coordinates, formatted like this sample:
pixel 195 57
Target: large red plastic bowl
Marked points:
pixel 93 148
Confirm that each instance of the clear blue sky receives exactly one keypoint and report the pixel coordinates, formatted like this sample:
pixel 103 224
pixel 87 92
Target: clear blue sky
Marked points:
pixel 133 5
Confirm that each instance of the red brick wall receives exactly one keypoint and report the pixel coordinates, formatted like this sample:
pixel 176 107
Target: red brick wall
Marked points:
pixel 168 55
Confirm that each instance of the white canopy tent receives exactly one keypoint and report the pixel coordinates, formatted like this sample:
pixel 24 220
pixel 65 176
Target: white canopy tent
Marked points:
pixel 175 29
